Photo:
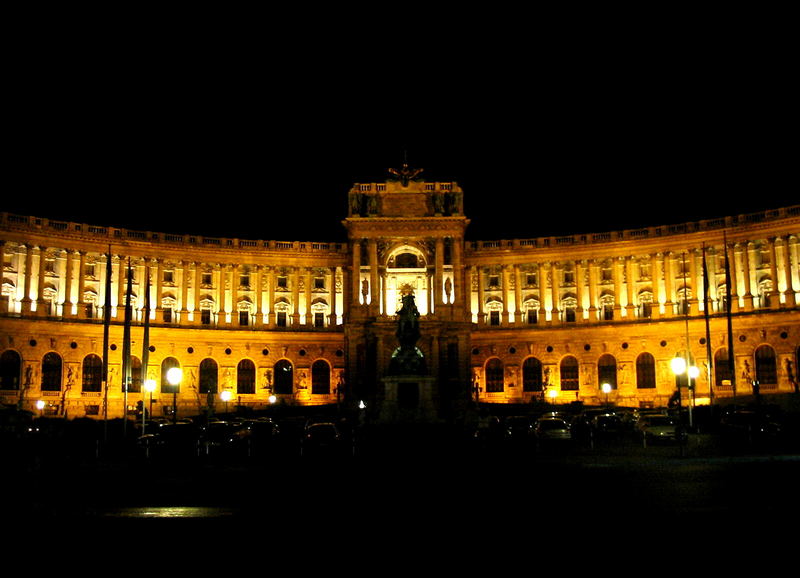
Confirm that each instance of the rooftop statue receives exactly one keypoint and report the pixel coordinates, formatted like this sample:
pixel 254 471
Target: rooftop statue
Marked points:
pixel 405 174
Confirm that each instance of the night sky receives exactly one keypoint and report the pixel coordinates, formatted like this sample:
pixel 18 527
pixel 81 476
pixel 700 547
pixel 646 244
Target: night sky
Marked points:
pixel 544 139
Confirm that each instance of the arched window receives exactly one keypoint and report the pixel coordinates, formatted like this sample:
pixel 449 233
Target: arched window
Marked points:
pixel 246 377
pixel 283 382
pixel 166 365
pixel 607 371
pixel 208 376
pixel 10 369
pixel 406 261
pixel 645 371
pixel 569 374
pixel 494 375
pixel 51 372
pixel 320 377
pixel 92 374
pixel 722 371
pixel 766 366
pixel 531 375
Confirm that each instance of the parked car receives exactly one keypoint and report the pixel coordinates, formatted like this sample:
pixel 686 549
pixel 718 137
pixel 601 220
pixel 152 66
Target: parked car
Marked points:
pixel 321 439
pixel 171 439
pixel 750 425
pixel 520 428
pixel 219 436
pixel 552 428
pixel 608 425
pixel 660 428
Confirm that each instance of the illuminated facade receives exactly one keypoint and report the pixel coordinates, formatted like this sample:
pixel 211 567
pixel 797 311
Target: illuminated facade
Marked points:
pixel 505 321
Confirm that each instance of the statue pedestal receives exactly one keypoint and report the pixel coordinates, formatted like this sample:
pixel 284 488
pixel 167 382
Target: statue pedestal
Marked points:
pixel 407 399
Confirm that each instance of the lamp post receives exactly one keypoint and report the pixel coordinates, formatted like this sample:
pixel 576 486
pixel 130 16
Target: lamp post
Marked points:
pixel 226 397
pixel 150 386
pixel 607 389
pixel 174 376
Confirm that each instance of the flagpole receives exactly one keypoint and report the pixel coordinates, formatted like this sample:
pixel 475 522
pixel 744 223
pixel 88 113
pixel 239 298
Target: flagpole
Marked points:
pixel 106 325
pixel 126 350
pixel 145 345
pixel 728 313
pixel 707 315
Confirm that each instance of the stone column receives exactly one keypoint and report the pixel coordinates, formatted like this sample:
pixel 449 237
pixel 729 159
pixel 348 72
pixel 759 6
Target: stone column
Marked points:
pixel 788 294
pixel 184 290
pixel 374 303
pixel 332 296
pixel 592 265
pixel 438 275
pixel 630 285
pixel 580 289
pixel 295 281
pixel 40 302
pixel 307 294
pixel 481 294
pixel 355 274
pixel 69 275
pixel 196 288
pixel 616 265
pixel 122 284
pixel 219 277
pixel 159 288
pixel 257 297
pixel 775 295
pixel 271 296
pixel 27 278
pixel 506 316
pixel 541 286
pixel 747 253
pixel 82 285
pixel 669 284
pixel 519 314
pixel 458 272
pixel 730 265
pixel 555 271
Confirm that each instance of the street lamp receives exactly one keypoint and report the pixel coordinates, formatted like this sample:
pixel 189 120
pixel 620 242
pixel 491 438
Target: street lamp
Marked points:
pixel 226 397
pixel 679 367
pixel 174 376
pixel 606 389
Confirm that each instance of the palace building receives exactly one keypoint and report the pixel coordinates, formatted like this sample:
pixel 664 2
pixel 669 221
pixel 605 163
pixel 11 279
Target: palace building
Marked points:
pixel 586 317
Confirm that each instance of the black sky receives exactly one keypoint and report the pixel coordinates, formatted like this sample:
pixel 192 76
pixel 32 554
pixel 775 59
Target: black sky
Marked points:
pixel 257 139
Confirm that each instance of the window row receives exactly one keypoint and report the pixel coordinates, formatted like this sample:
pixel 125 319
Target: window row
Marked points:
pixel 278 379
pixel 536 376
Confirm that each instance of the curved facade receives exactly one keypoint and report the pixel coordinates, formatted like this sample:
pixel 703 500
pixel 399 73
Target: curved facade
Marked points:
pixel 313 323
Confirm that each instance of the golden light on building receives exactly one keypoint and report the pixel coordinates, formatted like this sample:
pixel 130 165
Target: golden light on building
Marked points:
pixel 304 323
